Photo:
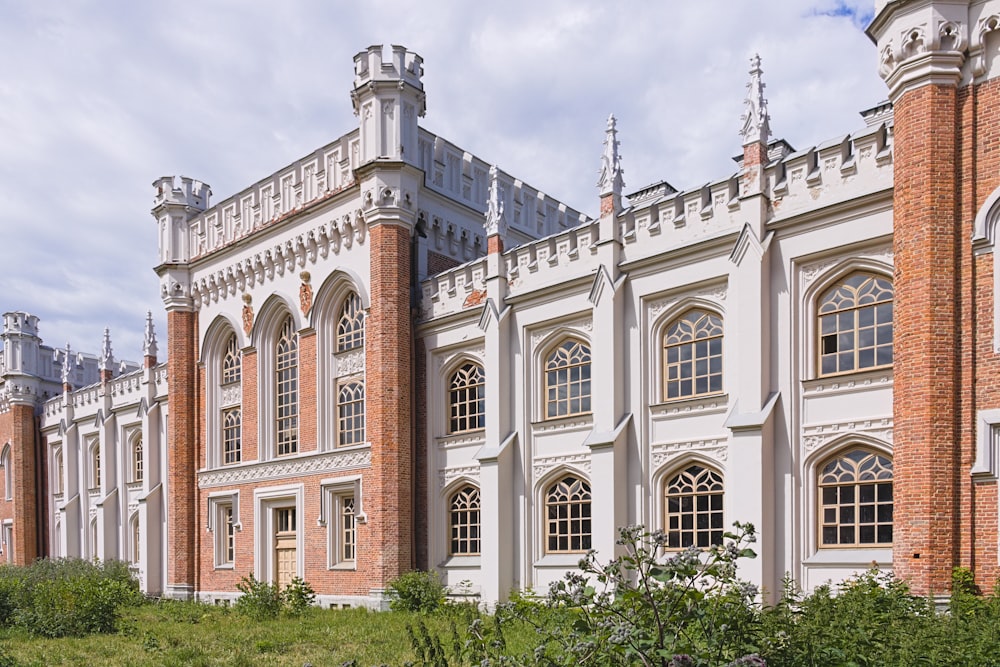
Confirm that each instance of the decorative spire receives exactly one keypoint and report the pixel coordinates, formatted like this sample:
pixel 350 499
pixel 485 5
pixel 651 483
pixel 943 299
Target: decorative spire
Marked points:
pixel 495 223
pixel 756 120
pixel 611 181
pixel 107 361
pixel 149 337
pixel 67 355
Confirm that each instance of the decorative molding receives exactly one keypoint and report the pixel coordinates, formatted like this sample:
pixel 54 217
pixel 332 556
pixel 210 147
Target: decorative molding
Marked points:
pixel 714 448
pixel 809 272
pixel 478 353
pixel 295 467
pixel 816 437
pixel 582 324
pixel 715 293
pixel 448 475
pixel 232 394
pixel 543 465
pixel 350 362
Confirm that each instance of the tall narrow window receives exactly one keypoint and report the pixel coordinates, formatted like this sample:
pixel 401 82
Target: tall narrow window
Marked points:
pixel 95 466
pixel 137 462
pixel 232 450
pixel 467 399
pixel 464 521
pixel 287 389
pixel 136 550
pixel 567 379
pixel 351 325
pixel 232 366
pixel 60 468
pixel 8 473
pixel 855 324
pixel 855 500
pixel 348 530
pixel 351 413
pixel 567 508
pixel 694 508
pixel 692 355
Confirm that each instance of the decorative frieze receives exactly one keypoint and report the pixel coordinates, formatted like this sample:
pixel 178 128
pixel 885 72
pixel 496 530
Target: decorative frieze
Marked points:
pixel 295 467
pixel 714 448
pixel 448 475
pixel 543 465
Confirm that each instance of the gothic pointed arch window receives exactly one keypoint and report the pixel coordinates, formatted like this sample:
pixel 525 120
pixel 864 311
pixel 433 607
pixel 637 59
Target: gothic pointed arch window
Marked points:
pixel 693 508
pixel 855 499
pixel 351 413
pixel 230 411
pixel 567 379
pixel 351 324
pixel 8 473
pixel 692 355
pixel 138 464
pixel 855 324
pixel 567 515
pixel 463 521
pixel 467 398
pixel 286 383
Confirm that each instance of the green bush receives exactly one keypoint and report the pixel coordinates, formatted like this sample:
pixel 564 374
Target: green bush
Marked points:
pixel 416 591
pixel 298 596
pixel 260 600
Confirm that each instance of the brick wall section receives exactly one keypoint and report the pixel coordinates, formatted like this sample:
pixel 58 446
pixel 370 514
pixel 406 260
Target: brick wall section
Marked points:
pixel 926 326
pixel 981 364
pixel 436 262
pixel 250 415
pixel 18 429
pixel 388 388
pixel 307 392
pixel 182 355
pixel 421 470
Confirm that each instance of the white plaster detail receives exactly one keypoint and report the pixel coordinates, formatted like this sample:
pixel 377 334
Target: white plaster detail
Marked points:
pixel 448 475
pixel 543 465
pixel 540 334
pixel 756 120
pixel 294 467
pixel 350 362
pixel 231 394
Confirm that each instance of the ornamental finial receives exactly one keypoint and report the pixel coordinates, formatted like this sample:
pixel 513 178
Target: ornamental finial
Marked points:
pixel 66 356
pixel 149 337
pixel 611 181
pixel 107 361
pixel 495 223
pixel 756 120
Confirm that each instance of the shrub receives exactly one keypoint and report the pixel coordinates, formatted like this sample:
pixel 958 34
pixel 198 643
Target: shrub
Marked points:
pixel 298 596
pixel 260 600
pixel 416 591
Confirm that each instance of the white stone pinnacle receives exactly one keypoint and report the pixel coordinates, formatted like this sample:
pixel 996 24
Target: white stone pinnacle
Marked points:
pixel 495 223
pixel 756 120
pixel 149 337
pixel 611 180
pixel 107 356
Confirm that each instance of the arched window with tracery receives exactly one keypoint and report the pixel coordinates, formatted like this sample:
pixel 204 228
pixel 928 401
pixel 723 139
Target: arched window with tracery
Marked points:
pixel 351 324
pixel 467 399
pixel 138 467
pixel 855 500
pixel 286 370
pixel 692 355
pixel 567 379
pixel 693 508
pixel 567 516
pixel 351 413
pixel 855 324
pixel 463 520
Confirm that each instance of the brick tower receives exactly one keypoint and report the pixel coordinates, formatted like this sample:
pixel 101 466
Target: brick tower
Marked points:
pixel 173 207
pixel 937 59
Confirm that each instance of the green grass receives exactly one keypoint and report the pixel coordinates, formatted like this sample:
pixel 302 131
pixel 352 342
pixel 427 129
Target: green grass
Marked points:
pixel 175 633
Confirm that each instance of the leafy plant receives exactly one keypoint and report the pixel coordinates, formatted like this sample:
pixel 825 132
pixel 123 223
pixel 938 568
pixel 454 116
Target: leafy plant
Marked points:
pixel 260 600
pixel 416 591
pixel 298 596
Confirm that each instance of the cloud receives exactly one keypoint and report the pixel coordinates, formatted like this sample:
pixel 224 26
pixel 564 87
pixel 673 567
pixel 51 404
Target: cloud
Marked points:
pixel 101 98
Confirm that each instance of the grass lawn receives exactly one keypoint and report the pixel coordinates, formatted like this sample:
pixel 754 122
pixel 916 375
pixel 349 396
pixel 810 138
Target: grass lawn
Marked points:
pixel 174 633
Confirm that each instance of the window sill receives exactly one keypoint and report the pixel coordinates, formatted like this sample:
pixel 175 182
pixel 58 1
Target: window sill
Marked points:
pixel 461 561
pixel 225 566
pixel 346 566
pixel 850 556
pixel 704 404
pixel 582 421
pixel 562 561
pixel 868 378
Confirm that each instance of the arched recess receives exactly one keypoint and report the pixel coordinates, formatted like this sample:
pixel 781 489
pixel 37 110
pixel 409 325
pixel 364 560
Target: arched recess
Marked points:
pixel 984 240
pixel 812 466
pixel 541 356
pixel 809 349
pixel 544 520
pixel 662 476
pixel 220 397
pixel 324 317
pixel 8 472
pixel 266 332
pixel 659 329
pixel 447 534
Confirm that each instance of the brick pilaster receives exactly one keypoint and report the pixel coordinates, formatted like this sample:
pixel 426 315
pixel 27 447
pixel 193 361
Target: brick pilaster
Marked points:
pixel 25 492
pixel 388 387
pixel 927 341
pixel 182 435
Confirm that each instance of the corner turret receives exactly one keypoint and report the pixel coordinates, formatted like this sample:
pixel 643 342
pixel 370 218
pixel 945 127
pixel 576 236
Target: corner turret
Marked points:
pixel 388 97
pixel 174 204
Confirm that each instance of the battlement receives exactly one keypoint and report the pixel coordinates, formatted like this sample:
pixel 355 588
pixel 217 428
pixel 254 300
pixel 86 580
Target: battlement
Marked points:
pixel 181 191
pixel 370 66
pixel 21 323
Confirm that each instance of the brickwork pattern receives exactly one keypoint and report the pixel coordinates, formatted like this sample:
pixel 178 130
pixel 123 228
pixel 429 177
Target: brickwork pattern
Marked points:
pixel 17 427
pixel 182 439
pixel 436 262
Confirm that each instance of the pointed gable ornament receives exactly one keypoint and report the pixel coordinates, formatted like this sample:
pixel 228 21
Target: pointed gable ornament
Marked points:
pixel 107 361
pixel 756 120
pixel 66 356
pixel 496 222
pixel 612 175
pixel 149 337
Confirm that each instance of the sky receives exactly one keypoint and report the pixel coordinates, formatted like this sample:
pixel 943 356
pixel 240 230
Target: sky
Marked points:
pixel 100 97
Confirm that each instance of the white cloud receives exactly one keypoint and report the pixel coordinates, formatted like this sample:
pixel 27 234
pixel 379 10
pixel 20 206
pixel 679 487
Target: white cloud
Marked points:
pixel 98 99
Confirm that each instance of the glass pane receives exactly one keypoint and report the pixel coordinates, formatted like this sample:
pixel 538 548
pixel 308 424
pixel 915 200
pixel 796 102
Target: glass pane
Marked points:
pixel 866 317
pixel 829 515
pixel 847 494
pixel 847 514
pixel 830 535
pixel 866 534
pixel 866 514
pixel 885 513
pixel 885 534
pixel 885 492
pixel 828 344
pixel 866 493
pixel 866 358
pixel 830 495
pixel 847 535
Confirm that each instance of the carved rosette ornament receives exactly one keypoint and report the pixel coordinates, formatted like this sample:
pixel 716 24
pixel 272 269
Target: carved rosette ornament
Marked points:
pixel 305 293
pixel 247 314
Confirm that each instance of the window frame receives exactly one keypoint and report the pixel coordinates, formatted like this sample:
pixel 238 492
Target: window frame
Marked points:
pixel 547 388
pixel 358 434
pixel 223 531
pixel 454 522
pixel 585 518
pixel 822 505
pixel 664 350
pixel 472 395
pixel 705 469
pixel 137 451
pixel 286 388
pixel 334 493
pixel 823 294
